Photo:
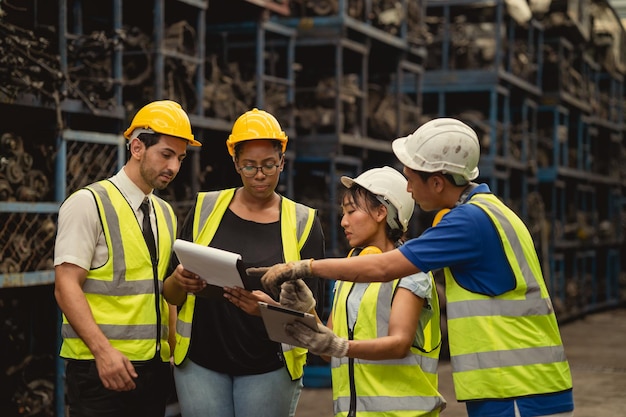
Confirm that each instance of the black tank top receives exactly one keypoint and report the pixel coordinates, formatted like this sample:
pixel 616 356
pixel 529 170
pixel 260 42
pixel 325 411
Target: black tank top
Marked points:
pixel 224 338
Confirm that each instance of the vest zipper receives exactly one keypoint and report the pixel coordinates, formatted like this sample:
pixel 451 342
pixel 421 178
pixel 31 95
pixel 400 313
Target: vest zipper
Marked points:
pixel 157 302
pixel 352 410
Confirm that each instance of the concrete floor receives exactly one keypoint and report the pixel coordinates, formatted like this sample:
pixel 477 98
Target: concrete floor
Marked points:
pixel 595 347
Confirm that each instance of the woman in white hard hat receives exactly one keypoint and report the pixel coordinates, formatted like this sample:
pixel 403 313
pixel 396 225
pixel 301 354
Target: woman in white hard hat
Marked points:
pixel 389 365
pixel 505 346
pixel 226 365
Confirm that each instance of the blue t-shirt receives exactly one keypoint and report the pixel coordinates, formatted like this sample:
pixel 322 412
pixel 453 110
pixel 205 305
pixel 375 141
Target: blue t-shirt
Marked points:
pixel 466 241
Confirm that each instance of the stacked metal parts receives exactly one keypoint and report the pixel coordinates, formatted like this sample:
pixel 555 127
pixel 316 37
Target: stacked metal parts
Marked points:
pixel 550 86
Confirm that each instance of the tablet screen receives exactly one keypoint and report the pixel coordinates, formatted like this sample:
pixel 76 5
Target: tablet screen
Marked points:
pixel 275 317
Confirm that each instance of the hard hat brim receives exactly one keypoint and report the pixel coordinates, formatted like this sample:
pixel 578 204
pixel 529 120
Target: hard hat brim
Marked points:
pixel 347 181
pixel 192 142
pixel 398 147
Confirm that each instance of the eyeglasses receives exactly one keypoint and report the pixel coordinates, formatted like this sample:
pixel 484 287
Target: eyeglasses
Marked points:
pixel 250 171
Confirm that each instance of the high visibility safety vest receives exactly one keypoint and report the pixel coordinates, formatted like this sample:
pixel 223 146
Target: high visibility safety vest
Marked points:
pixel 404 387
pixel 125 294
pixel 296 222
pixel 509 345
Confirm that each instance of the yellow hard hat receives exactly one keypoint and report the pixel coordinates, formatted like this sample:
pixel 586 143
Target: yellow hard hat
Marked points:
pixel 255 124
pixel 165 117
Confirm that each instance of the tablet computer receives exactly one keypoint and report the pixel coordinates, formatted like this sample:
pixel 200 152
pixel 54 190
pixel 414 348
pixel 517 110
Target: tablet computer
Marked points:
pixel 275 317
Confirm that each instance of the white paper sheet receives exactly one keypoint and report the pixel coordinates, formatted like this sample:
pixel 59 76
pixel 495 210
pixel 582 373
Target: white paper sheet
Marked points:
pixel 215 266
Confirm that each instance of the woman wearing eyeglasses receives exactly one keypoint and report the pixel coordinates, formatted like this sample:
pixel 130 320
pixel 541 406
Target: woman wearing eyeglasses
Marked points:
pixel 225 363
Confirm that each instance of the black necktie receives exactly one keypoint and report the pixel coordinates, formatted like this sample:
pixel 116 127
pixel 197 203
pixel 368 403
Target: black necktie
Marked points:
pixel 147 229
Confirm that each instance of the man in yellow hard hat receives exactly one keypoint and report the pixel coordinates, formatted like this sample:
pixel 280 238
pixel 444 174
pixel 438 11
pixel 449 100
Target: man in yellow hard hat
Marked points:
pixel 112 250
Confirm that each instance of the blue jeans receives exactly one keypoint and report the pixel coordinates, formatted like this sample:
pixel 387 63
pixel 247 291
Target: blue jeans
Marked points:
pixel 206 393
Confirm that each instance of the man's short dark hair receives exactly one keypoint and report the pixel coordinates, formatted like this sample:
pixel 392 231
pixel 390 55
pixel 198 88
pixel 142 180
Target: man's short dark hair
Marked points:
pixel 426 175
pixel 149 139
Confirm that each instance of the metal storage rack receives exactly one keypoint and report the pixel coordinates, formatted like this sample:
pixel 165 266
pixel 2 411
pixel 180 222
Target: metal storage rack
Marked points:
pixel 581 132
pixel 259 54
pixel 88 68
pixel 497 92
pixel 547 128
pixel 358 86
pixel 553 146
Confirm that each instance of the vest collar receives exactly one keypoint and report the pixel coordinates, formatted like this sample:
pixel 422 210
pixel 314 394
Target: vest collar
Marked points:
pixel 129 189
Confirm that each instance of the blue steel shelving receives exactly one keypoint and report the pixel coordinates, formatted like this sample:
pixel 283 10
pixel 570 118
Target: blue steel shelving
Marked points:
pixel 547 100
pixel 581 133
pixel 347 61
pixel 268 48
pixel 356 52
pixel 496 91
pixel 167 56
pixel 550 131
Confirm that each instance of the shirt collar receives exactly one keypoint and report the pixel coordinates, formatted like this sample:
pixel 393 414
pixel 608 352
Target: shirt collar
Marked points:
pixel 129 189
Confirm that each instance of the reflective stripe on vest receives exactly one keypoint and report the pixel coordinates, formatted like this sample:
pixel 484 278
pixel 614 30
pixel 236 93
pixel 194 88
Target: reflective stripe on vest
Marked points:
pixel 296 222
pixel 509 345
pixel 121 293
pixel 391 387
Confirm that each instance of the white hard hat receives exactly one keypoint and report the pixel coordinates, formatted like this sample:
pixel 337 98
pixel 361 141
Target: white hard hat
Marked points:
pixel 442 144
pixel 390 187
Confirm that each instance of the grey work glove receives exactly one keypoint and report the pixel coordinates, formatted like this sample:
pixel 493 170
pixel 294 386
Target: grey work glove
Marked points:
pixel 296 295
pixel 274 276
pixel 321 342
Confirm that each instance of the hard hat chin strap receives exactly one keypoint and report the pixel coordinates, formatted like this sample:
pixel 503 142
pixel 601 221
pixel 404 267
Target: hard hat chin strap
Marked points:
pixel 392 213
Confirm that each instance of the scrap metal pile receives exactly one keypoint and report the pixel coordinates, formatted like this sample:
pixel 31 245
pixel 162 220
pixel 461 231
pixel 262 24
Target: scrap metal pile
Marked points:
pixel 25 177
pixel 316 108
pixel 29 241
pixel 19 179
pixel 26 374
pixel 26 174
pixel 387 15
pixel 28 62
pixel 30 66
